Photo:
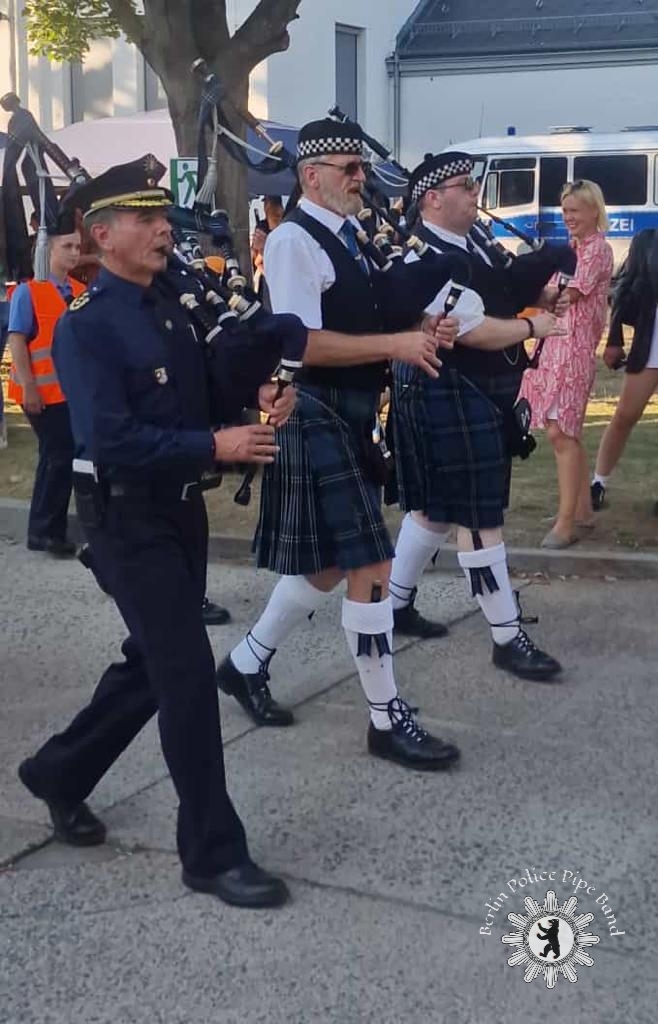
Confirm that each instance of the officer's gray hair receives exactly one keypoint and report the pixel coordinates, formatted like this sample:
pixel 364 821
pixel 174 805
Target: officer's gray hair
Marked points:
pixel 105 216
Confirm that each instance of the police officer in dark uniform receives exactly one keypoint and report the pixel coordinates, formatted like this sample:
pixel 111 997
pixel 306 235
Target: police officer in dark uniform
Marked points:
pixel 138 392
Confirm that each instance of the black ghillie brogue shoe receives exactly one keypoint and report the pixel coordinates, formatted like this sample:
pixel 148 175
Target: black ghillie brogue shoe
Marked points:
pixel 523 658
pixel 252 692
pixel 409 745
pixel 408 621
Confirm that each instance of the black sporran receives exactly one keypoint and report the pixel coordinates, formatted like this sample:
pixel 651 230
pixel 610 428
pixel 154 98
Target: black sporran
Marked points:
pixel 520 441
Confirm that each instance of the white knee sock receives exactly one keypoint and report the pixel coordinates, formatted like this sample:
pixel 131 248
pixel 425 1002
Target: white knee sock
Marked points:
pixel 375 669
pixel 292 600
pixel 415 546
pixel 598 479
pixel 500 606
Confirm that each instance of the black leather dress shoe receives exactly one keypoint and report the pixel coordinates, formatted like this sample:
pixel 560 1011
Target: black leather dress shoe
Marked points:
pixel 408 621
pixel 252 692
pixel 246 885
pixel 74 824
pixel 409 745
pixel 597 493
pixel 53 546
pixel 523 659
pixel 213 614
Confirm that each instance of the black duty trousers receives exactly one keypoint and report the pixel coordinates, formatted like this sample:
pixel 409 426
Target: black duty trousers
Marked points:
pixel 54 476
pixel 153 557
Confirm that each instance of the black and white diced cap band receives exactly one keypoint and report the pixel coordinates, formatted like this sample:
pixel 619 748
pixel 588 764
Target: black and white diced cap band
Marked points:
pixel 460 165
pixel 319 147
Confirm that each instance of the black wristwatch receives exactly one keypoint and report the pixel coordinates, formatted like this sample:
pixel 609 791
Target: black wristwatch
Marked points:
pixel 531 327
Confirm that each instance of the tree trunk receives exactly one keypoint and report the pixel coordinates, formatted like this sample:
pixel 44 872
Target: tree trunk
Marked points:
pixel 232 194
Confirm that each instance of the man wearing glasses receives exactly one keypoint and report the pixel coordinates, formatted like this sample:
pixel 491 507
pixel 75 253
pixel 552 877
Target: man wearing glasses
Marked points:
pixel 320 517
pixel 450 432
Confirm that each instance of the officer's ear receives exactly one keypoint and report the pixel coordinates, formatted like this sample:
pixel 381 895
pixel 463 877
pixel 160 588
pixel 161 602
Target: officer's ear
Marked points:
pixel 99 227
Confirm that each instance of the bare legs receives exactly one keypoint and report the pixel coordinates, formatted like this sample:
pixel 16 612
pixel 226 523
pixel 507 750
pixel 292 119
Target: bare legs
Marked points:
pixel 636 391
pixel 573 481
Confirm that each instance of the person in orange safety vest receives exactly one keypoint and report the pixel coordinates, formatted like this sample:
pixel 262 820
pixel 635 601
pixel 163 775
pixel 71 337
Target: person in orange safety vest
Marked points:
pixel 35 309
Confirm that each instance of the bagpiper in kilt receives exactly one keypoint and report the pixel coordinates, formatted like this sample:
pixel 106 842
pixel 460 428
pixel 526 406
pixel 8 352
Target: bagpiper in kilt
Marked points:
pixel 453 435
pixel 320 517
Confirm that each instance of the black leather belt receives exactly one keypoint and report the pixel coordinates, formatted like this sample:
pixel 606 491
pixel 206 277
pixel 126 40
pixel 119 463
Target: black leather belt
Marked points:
pixel 161 491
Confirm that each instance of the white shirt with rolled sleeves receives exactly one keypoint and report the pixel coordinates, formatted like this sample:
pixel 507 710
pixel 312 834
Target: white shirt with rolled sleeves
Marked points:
pixel 469 309
pixel 297 269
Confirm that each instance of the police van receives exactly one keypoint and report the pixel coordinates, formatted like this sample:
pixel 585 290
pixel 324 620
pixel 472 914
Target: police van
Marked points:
pixel 522 176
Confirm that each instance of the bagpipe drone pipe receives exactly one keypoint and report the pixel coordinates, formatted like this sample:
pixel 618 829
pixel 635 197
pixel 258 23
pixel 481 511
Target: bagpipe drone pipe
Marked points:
pixel 245 345
pixel 528 272
pixel 405 289
pixel 26 140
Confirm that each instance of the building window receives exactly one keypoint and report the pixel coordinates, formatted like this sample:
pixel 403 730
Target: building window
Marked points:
pixel 347 70
pixel 92 83
pixel 552 176
pixel 155 97
pixel 623 179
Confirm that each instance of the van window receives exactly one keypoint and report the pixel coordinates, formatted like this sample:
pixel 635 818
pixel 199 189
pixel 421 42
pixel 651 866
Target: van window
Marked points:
pixel 517 188
pixel 552 176
pixel 623 179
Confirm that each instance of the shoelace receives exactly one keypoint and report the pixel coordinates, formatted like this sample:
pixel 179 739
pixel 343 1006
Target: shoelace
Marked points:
pixel 524 642
pixel 263 664
pixel 520 620
pixel 401 715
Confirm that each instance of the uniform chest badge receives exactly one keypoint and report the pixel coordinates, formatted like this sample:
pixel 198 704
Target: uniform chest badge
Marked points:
pixel 81 301
pixel 161 375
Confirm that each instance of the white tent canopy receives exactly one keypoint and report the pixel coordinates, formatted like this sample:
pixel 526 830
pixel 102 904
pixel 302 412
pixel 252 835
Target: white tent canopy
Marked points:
pixel 106 141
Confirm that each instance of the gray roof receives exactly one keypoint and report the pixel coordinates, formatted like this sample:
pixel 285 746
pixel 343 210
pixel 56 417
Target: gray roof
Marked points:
pixel 458 28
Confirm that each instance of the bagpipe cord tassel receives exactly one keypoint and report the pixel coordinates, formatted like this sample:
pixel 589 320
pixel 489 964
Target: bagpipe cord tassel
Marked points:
pixel 41 251
pixel 207 192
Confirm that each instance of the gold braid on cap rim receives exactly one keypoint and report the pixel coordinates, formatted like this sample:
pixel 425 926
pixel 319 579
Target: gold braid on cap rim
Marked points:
pixel 154 197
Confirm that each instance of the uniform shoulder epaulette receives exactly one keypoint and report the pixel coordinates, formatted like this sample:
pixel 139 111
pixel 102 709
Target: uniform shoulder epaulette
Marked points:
pixel 81 301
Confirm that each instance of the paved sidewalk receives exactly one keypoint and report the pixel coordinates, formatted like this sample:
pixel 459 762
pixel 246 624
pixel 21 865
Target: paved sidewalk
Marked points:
pixel 390 871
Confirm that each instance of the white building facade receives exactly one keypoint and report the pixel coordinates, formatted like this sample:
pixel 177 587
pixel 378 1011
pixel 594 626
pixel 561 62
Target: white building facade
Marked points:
pixel 337 53
pixel 418 74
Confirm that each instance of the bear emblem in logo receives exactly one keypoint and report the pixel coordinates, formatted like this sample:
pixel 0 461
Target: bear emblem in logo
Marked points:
pixel 161 375
pixel 551 939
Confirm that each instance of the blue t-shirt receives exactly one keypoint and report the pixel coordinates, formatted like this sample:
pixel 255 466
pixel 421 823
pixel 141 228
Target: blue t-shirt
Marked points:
pixel 21 311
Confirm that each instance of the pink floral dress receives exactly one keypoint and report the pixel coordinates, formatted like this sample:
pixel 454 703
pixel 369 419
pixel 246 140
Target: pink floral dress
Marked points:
pixel 560 386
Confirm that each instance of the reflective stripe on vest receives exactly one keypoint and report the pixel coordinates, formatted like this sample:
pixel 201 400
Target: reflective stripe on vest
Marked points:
pixel 48 305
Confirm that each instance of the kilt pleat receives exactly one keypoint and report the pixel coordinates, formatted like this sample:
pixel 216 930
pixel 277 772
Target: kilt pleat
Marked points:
pixel 318 508
pixel 451 456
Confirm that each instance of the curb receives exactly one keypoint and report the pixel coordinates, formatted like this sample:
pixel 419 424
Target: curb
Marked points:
pixel 530 561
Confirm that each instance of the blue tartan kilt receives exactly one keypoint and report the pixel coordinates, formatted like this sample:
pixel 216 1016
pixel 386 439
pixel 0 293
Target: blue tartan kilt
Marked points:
pixel 451 455
pixel 318 508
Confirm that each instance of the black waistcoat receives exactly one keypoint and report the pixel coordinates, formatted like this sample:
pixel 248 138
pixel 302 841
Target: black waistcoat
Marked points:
pixel 348 307
pixel 493 286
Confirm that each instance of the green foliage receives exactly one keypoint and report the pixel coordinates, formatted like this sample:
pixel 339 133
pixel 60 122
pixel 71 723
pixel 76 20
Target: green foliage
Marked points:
pixel 64 29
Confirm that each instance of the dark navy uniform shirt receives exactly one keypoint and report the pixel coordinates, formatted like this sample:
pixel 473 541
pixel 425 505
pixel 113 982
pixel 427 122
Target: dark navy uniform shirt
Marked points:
pixel 135 379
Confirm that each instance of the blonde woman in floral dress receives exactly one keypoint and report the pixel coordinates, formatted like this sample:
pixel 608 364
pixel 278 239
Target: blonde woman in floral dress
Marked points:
pixel 558 390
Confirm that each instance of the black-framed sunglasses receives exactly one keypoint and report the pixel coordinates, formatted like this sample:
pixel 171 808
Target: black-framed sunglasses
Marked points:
pixel 468 184
pixel 350 169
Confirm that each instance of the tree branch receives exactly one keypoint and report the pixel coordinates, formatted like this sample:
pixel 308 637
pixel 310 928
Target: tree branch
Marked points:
pixel 132 23
pixel 265 31
pixel 209 27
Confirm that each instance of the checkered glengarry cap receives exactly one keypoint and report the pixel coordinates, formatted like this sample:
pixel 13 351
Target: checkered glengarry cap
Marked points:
pixel 434 170
pixel 319 138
